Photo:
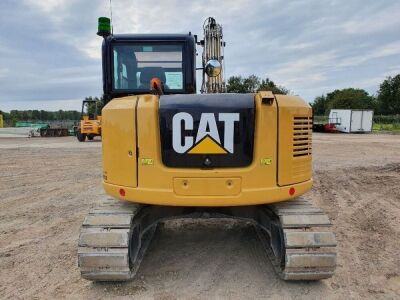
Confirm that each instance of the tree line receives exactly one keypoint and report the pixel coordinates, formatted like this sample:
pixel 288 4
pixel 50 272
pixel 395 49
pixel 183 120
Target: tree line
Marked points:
pixel 39 115
pixel 385 102
pixel 252 84
pixel 43 115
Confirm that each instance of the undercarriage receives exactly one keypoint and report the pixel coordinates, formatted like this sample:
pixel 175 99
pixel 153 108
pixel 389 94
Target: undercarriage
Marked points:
pixel 297 238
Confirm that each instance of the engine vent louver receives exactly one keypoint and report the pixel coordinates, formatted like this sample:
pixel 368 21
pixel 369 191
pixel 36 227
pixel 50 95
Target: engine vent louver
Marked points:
pixel 302 130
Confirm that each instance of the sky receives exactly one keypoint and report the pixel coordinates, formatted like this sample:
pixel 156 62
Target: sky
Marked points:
pixel 50 55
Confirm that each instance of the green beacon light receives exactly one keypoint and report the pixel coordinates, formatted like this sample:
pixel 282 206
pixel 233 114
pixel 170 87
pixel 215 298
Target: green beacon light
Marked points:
pixel 104 27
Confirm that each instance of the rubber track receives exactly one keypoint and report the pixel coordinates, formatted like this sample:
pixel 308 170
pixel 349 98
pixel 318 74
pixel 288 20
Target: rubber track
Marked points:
pixel 103 249
pixel 309 245
pixel 308 250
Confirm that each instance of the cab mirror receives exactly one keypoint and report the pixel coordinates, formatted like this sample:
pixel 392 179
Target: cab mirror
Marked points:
pixel 213 68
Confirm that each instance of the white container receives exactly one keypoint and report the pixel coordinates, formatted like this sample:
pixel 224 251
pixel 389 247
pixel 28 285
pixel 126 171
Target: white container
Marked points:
pixel 352 120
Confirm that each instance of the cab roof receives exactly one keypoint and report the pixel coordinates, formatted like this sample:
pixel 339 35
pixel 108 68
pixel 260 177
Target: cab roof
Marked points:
pixel 150 37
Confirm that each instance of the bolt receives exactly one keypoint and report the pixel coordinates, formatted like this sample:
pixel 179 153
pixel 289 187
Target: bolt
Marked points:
pixel 207 162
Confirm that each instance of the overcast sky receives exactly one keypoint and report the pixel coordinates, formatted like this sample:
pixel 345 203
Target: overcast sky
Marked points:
pixel 50 54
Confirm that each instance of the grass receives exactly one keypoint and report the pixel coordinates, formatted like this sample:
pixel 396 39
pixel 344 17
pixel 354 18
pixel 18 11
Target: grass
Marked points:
pixel 386 127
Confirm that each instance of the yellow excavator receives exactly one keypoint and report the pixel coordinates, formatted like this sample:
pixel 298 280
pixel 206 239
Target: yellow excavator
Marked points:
pixel 90 124
pixel 171 153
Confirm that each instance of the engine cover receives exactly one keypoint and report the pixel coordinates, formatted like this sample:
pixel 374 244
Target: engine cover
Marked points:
pixel 207 131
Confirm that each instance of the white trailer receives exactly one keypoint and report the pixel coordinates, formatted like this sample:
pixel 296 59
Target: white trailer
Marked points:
pixel 352 120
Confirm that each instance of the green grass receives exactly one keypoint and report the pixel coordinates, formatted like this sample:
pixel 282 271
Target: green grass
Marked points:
pixel 386 127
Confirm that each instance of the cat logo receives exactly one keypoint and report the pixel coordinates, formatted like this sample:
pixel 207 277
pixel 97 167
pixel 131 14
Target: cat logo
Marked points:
pixel 207 139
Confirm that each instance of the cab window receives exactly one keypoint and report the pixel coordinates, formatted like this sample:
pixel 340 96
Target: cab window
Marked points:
pixel 135 65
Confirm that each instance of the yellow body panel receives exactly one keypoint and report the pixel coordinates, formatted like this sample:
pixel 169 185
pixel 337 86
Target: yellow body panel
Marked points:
pixel 295 130
pixel 207 186
pixel 91 127
pixel 146 180
pixel 1 121
pixel 119 141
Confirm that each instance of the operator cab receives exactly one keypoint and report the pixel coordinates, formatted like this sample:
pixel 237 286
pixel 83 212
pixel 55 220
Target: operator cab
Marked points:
pixel 131 61
pixel 89 110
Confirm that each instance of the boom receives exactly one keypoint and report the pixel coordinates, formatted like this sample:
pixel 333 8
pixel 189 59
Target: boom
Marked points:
pixel 213 56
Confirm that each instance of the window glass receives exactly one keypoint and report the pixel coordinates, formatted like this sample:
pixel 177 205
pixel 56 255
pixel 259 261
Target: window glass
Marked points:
pixel 135 65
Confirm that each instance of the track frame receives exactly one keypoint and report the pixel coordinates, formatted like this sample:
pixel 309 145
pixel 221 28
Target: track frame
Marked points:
pixel 116 234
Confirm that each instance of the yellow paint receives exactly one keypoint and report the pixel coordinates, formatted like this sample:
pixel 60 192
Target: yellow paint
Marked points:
pixel 160 185
pixel 245 197
pixel 207 186
pixel 293 169
pixel 1 121
pixel 207 146
pixel 92 127
pixel 118 139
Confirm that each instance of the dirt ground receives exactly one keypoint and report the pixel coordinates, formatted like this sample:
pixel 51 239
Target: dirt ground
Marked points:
pixel 48 185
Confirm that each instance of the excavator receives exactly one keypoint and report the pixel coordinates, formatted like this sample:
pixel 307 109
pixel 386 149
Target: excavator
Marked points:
pixel 170 153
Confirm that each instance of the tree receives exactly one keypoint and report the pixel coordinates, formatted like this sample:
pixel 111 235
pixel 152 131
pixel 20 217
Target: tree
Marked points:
pixel 252 84
pixel 320 106
pixel 92 108
pixel 350 98
pixel 36 115
pixel 269 85
pixel 236 85
pixel 389 96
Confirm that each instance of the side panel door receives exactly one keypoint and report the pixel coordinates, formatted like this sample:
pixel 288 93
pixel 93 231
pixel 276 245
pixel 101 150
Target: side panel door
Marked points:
pixel 356 121
pixel 119 142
